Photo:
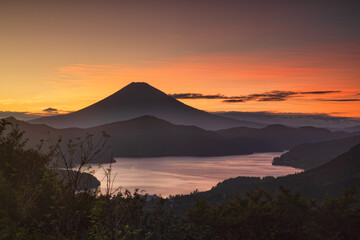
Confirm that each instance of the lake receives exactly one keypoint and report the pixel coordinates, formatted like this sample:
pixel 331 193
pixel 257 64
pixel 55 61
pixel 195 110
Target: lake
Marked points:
pixel 181 175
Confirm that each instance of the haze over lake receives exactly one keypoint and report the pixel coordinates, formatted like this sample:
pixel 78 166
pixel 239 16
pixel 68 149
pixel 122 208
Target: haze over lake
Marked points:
pixel 181 175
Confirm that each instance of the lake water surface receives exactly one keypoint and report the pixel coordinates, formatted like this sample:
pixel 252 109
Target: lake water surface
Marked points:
pixel 181 175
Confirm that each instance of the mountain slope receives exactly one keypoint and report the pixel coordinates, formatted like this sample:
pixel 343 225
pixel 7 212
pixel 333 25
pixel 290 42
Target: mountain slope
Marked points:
pixel 311 155
pixel 37 132
pixel 284 137
pixel 148 136
pixel 139 99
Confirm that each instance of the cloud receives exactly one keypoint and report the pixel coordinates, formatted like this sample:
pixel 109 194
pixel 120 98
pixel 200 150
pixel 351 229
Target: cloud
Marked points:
pixel 267 96
pixel 234 100
pixel 270 96
pixel 197 96
pixel 263 97
pixel 341 100
pixel 53 111
pixel 320 92
pixel 50 110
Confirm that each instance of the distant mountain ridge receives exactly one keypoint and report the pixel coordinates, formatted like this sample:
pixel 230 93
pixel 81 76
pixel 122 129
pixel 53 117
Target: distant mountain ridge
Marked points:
pixel 148 136
pixel 353 129
pixel 138 99
pixel 284 137
pixel 297 119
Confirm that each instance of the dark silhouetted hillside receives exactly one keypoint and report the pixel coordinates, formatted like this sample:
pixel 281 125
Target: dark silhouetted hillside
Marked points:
pixel 311 155
pixel 37 132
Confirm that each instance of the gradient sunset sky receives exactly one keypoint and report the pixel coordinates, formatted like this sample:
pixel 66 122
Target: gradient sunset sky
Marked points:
pixel 281 56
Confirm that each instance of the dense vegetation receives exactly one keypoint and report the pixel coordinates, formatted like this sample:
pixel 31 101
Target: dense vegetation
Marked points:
pixel 36 204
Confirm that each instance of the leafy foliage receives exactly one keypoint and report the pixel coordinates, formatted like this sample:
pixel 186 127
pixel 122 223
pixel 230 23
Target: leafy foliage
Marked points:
pixel 36 204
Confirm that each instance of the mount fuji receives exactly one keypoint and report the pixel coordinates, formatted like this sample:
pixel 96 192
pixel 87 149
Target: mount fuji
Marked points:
pixel 139 99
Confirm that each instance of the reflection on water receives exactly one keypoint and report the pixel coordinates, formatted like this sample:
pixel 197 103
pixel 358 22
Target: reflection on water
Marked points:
pixel 181 175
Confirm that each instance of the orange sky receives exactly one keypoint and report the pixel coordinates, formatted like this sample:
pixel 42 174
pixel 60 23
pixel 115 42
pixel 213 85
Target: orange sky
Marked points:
pixel 67 56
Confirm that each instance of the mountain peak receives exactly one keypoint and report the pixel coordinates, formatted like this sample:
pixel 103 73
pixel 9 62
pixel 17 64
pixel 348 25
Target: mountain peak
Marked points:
pixel 139 85
pixel 139 90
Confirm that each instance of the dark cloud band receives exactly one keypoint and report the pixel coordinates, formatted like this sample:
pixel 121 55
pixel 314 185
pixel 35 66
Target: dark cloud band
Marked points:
pixel 50 110
pixel 196 96
pixel 341 100
pixel 275 95
pixel 320 92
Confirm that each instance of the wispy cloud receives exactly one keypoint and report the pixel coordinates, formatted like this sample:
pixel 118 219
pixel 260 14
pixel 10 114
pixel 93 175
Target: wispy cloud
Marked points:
pixel 197 96
pixel 50 110
pixel 320 92
pixel 270 96
pixel 274 95
pixel 341 100
pixel 234 100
